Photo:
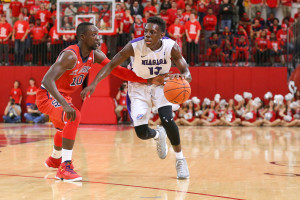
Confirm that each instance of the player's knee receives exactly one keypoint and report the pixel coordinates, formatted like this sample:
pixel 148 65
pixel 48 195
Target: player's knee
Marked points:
pixel 165 114
pixel 143 131
pixel 58 138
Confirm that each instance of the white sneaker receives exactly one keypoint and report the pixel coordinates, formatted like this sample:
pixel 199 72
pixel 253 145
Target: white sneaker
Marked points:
pixel 182 169
pixel 162 147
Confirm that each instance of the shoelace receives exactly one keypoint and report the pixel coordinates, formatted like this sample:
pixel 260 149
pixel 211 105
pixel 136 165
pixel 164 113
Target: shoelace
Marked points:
pixel 69 168
pixel 179 164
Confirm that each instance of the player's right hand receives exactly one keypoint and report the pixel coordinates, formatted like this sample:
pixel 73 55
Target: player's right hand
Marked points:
pixel 87 91
pixel 70 112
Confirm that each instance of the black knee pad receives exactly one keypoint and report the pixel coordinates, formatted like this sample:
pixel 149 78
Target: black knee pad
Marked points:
pixel 166 117
pixel 144 132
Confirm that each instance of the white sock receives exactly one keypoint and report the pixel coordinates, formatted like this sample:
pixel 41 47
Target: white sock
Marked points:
pixel 66 155
pixel 156 136
pixel 179 155
pixel 56 154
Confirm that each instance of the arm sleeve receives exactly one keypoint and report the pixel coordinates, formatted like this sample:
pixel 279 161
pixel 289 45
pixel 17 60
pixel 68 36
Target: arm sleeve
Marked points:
pixel 124 73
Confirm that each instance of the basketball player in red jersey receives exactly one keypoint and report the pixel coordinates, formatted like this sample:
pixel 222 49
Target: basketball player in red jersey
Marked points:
pixel 63 78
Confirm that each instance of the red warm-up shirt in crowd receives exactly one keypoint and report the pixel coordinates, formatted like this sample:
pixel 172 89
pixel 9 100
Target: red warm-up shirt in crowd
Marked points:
pixel 38 32
pixel 44 16
pixel 201 7
pixel 5 30
pixel 119 15
pixel 29 3
pixel 126 24
pixel 20 28
pixel 210 22
pixel 180 4
pixel 192 28
pixel 173 14
pixel 166 18
pixel 176 29
pixel 54 35
pixel 15 7
pixel 286 2
pixel 282 35
pixel 138 30
pixel 272 3
pixel 262 43
pixel 31 98
pixel 274 45
pixel 16 94
pixel 150 8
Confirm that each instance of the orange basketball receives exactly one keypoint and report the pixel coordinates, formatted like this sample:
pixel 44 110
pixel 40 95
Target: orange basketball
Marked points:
pixel 177 91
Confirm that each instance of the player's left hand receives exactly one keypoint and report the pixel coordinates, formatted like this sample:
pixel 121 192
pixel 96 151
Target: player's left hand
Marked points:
pixel 87 92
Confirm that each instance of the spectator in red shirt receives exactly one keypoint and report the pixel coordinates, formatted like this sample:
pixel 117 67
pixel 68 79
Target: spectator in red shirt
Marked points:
pixel 272 6
pixel 180 4
pixel 246 23
pixel 275 49
pixel 55 41
pixel 286 6
pixel 176 32
pixel 192 31
pixel 44 15
pixel 137 28
pixel 255 6
pixel 187 13
pixel 20 32
pixel 180 17
pixel 83 9
pixel 150 8
pixel 29 3
pixel 256 28
pixel 31 92
pixel 286 37
pixel 121 99
pixel 172 12
pixel 5 33
pixel 226 51
pixel 165 16
pixel 242 50
pixel 226 33
pixel 15 10
pixel 39 46
pixel 34 8
pixel 1 9
pixel 259 18
pixel 209 23
pixel 261 46
pixel 125 25
pixel 119 14
pixel 16 93
pixel 214 44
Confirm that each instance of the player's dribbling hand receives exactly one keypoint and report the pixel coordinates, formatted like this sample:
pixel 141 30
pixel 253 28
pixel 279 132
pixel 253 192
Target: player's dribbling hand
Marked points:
pixel 70 112
pixel 177 76
pixel 87 92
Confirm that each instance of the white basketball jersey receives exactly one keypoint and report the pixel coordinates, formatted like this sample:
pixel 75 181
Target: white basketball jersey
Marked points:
pixel 147 63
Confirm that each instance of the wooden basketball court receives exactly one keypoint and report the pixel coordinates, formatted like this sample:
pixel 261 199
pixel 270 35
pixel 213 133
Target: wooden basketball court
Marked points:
pixel 224 163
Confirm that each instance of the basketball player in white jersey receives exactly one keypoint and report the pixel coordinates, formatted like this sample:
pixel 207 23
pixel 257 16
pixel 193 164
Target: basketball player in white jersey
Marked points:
pixel 150 57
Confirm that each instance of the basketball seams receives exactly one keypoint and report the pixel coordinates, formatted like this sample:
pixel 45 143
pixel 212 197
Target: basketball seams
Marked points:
pixel 176 93
pixel 175 89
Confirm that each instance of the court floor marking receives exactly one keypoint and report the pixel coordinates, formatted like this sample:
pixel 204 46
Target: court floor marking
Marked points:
pixel 134 186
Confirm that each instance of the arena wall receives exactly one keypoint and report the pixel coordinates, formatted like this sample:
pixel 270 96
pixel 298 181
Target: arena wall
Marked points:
pixel 207 81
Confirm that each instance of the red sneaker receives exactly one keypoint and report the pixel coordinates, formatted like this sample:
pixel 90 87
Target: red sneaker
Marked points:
pixel 53 162
pixel 65 172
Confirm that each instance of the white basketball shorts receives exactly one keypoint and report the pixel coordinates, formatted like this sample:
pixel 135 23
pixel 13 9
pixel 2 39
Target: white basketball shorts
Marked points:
pixel 141 98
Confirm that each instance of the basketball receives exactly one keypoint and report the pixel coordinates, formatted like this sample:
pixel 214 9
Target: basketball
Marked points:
pixel 177 91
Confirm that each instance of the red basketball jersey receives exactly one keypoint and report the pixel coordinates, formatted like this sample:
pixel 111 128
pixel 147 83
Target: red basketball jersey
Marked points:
pixel 72 79
pixel 138 30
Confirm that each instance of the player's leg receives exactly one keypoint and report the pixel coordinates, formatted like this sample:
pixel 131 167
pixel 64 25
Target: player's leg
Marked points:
pixel 139 107
pixel 166 117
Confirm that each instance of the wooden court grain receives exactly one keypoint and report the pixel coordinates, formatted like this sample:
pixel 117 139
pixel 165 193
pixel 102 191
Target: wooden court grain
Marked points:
pixel 224 163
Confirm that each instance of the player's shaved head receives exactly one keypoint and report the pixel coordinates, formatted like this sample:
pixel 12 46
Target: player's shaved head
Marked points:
pixel 82 28
pixel 159 22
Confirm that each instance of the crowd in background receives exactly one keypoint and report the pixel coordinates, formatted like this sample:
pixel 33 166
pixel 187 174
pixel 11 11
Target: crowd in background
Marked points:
pixel 228 32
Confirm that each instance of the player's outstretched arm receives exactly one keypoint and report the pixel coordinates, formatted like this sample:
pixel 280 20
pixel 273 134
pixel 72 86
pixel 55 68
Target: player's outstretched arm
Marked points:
pixel 180 63
pixel 66 61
